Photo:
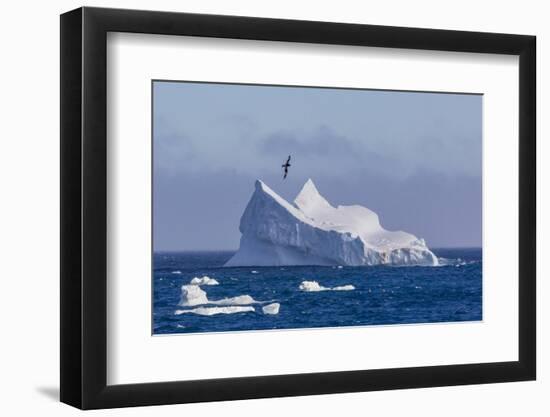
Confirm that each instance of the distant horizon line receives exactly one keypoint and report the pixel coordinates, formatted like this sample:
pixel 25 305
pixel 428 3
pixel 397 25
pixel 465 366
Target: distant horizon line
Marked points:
pixel 235 250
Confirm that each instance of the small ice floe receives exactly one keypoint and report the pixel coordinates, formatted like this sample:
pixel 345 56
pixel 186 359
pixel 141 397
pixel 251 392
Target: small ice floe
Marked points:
pixel 239 300
pixel 253 272
pixel 193 295
pixel 205 280
pixel 348 287
pixel 271 308
pixel 176 272
pixel 339 266
pixel 313 286
pixel 211 311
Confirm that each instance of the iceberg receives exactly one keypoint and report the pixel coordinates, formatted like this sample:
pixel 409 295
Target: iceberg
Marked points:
pixel 310 231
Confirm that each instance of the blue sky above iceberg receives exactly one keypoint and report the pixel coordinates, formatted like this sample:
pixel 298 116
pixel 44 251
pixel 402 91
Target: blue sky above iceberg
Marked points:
pixel 414 158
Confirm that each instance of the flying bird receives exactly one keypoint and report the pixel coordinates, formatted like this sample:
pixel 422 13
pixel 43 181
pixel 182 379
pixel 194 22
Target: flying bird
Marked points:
pixel 285 166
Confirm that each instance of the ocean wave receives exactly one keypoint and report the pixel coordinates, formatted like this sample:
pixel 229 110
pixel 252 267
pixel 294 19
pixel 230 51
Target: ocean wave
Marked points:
pixel 205 280
pixel 313 286
pixel 211 311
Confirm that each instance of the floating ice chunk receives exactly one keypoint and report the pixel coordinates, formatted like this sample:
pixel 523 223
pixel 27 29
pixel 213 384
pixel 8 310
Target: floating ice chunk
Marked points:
pixel 344 288
pixel 205 280
pixel 271 308
pixel 239 300
pixel 176 272
pixel 211 311
pixel 313 286
pixel 254 272
pixel 192 295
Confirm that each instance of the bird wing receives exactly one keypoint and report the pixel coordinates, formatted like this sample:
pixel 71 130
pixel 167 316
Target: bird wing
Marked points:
pixel 288 160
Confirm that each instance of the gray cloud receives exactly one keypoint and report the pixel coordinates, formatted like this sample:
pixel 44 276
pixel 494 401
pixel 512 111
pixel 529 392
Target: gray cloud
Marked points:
pixel 415 158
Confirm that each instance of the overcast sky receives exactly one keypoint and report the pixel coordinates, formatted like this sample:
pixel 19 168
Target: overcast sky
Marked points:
pixel 414 158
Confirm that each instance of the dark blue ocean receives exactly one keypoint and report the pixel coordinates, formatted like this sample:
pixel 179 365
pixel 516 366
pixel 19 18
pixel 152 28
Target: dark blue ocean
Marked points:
pixel 382 295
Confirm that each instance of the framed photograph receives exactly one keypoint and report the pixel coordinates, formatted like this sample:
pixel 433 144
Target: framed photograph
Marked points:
pixel 256 208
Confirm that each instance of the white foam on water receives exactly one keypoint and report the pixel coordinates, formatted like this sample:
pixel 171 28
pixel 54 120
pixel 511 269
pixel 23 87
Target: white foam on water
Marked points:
pixel 211 311
pixel 176 272
pixel 271 308
pixel 205 280
pixel 457 263
pixel 313 286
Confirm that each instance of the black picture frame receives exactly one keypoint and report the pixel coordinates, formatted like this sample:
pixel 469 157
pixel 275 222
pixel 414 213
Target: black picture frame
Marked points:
pixel 84 207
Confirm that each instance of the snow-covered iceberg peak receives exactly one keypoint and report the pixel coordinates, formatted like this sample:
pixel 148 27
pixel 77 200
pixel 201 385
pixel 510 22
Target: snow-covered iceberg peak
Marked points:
pixel 313 232
pixel 309 199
